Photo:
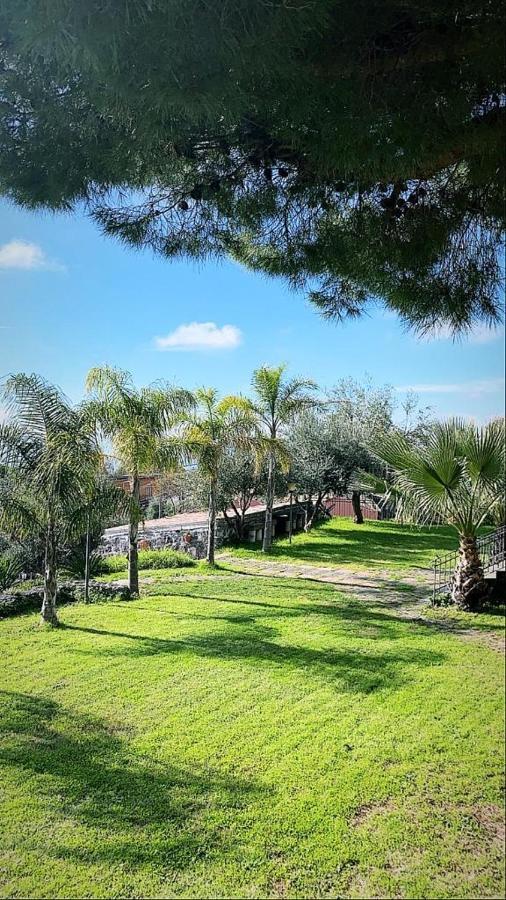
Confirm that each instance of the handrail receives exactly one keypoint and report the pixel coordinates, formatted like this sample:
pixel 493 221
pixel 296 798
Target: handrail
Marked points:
pixel 491 550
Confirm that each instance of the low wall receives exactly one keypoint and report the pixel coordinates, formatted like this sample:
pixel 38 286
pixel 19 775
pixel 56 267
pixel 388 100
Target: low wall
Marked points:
pixel 192 538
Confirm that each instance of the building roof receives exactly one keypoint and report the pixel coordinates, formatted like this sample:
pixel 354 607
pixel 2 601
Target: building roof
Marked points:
pixel 188 520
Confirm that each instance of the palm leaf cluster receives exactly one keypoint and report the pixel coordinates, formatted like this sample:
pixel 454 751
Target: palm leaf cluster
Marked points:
pixel 455 473
pixel 135 420
pixel 49 458
pixel 137 424
pixel 206 433
pixel 276 403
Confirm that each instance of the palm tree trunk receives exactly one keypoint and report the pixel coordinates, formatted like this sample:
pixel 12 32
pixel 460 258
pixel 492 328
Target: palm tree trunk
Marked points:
pixel 211 523
pixel 469 586
pixel 133 532
pixel 87 561
pixel 269 503
pixel 48 612
pixel 358 517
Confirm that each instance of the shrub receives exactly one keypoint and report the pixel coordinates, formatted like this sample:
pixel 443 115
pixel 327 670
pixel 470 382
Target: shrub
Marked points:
pixel 20 601
pixel 74 564
pixel 148 559
pixel 10 570
pixel 152 510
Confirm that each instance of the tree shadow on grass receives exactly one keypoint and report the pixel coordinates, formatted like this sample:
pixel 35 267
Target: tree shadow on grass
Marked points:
pixel 146 812
pixel 334 606
pixel 351 670
pixel 379 546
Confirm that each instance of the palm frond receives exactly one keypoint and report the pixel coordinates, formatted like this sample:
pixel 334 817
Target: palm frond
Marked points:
pixel 455 474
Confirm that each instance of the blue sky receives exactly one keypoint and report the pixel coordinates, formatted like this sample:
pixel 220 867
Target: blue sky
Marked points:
pixel 71 299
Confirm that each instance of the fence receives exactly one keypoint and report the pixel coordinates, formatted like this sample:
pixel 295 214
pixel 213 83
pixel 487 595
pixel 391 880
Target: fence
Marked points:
pixel 492 553
pixel 342 506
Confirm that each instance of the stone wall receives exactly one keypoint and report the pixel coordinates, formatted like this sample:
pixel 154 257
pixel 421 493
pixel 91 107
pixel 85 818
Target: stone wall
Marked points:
pixel 192 538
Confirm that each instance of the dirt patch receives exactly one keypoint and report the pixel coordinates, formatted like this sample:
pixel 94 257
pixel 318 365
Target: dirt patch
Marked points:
pixel 369 811
pixel 280 888
pixel 408 589
pixel 490 818
pixel 494 640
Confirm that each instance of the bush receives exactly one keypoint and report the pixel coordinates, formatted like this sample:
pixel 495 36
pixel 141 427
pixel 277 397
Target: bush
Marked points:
pixel 152 510
pixel 148 559
pixel 20 601
pixel 10 570
pixel 74 564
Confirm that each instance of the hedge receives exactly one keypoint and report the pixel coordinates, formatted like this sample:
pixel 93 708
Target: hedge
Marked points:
pixel 148 559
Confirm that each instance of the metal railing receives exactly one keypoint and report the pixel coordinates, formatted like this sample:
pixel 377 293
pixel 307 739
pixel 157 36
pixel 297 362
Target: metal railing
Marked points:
pixel 492 553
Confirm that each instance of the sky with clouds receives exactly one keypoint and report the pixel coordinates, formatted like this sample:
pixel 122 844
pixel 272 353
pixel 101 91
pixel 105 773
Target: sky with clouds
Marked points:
pixel 71 298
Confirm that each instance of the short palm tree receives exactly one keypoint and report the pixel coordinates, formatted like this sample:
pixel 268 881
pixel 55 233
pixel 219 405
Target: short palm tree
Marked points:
pixel 50 458
pixel 276 403
pixel 136 422
pixel 207 433
pixel 455 474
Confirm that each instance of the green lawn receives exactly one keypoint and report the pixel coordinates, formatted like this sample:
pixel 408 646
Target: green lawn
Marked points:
pixel 339 542
pixel 248 737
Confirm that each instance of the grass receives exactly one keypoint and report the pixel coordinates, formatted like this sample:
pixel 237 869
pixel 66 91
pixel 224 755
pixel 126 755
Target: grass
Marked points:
pixel 196 567
pixel 248 737
pixel 373 545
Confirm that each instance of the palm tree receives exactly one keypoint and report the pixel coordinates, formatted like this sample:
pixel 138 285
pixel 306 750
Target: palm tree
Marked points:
pixel 207 432
pixel 136 423
pixel 50 458
pixel 454 473
pixel 276 403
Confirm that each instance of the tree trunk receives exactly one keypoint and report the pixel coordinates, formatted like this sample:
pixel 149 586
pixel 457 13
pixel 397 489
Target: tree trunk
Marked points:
pixel 357 509
pixel 48 612
pixel 87 561
pixel 307 507
pixel 211 523
pixel 269 503
pixel 133 533
pixel 315 508
pixel 469 587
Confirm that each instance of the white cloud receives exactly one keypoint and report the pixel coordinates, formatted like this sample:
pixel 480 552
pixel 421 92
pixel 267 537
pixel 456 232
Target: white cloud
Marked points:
pixel 200 336
pixel 25 255
pixel 471 388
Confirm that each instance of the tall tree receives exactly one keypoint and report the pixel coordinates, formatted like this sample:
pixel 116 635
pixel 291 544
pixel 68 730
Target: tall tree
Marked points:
pixel 354 149
pixel 208 432
pixel 241 480
pixel 363 412
pixel 276 402
pixel 456 474
pixel 51 458
pixel 136 422
pixel 323 459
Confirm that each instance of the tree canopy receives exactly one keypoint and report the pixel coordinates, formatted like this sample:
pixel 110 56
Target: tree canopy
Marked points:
pixel 354 149
pixel 454 473
pixel 50 458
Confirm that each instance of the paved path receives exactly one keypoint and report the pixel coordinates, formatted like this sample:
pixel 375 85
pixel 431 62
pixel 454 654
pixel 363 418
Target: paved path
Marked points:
pixel 406 593
pixel 392 588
